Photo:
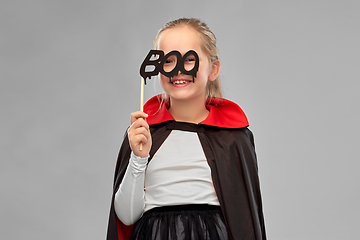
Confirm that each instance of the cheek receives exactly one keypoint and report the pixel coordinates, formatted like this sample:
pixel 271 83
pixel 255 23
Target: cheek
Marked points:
pixel 163 79
pixel 202 75
pixel 204 70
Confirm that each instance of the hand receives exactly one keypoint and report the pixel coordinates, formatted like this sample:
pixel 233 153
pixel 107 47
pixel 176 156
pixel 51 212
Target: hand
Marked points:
pixel 139 132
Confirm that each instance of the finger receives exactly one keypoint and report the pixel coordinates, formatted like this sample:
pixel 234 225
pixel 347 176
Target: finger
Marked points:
pixel 136 115
pixel 139 123
pixel 138 131
pixel 135 140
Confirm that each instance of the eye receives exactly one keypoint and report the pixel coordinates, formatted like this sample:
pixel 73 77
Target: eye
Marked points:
pixel 190 58
pixel 170 63
pixel 170 60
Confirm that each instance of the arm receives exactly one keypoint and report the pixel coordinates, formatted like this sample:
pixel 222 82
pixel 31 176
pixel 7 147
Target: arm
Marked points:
pixel 129 200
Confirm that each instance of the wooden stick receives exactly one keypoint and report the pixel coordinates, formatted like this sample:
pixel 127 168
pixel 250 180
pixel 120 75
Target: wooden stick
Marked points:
pixel 142 101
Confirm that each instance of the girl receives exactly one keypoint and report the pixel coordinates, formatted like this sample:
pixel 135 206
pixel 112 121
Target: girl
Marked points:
pixel 196 175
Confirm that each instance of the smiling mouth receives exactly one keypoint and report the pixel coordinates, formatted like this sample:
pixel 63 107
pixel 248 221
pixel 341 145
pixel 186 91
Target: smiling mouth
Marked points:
pixel 180 81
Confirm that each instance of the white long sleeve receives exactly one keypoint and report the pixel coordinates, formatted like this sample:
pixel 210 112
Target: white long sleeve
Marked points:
pixel 129 200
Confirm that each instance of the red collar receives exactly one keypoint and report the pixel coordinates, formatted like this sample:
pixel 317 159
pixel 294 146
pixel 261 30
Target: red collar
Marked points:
pixel 223 113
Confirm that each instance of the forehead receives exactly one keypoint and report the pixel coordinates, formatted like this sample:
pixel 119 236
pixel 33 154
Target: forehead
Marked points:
pixel 181 38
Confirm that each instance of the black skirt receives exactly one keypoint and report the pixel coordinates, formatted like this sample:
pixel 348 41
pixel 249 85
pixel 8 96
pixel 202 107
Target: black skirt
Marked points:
pixel 184 222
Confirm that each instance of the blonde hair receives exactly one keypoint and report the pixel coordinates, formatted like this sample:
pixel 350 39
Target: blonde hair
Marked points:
pixel 208 39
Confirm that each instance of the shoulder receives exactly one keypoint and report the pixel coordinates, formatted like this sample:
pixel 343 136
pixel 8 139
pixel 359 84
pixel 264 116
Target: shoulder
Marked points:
pixel 231 132
pixel 225 113
pixel 228 137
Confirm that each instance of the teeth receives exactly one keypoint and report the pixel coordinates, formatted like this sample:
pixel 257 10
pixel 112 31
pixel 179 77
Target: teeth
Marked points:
pixel 179 82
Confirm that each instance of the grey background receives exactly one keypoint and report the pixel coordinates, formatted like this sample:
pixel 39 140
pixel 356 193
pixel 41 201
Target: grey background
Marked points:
pixel 69 74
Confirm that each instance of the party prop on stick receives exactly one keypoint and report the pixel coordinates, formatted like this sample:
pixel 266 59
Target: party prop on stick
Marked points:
pixel 142 101
pixel 169 65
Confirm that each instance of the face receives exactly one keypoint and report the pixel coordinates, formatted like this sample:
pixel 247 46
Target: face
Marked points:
pixel 182 87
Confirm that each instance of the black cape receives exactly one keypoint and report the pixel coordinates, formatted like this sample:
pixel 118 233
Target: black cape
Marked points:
pixel 230 153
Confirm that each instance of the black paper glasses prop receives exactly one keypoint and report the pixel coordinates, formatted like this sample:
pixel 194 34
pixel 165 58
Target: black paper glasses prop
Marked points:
pixel 170 64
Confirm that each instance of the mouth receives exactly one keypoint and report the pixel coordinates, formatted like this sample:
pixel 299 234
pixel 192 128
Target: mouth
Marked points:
pixel 180 81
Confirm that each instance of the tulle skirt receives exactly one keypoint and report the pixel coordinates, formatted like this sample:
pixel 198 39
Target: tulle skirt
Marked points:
pixel 185 222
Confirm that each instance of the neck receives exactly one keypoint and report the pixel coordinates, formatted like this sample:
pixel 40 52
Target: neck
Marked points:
pixel 188 110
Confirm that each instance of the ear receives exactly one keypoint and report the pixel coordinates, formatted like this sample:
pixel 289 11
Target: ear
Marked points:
pixel 214 71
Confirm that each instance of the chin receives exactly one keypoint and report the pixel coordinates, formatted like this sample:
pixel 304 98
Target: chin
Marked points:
pixel 183 96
